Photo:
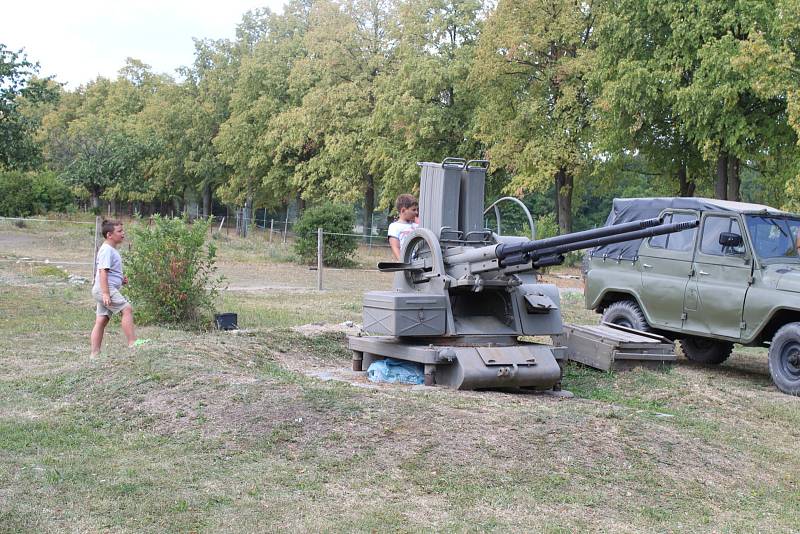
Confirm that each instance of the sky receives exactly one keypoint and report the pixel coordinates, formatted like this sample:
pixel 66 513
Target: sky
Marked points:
pixel 77 40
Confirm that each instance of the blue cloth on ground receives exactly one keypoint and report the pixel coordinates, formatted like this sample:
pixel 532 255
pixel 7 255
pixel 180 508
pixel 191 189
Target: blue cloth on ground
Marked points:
pixel 391 370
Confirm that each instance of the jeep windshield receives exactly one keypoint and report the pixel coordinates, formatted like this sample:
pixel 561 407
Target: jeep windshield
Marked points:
pixel 775 238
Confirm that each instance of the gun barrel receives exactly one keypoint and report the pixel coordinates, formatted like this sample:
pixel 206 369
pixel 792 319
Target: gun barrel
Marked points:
pixel 504 251
pixel 601 241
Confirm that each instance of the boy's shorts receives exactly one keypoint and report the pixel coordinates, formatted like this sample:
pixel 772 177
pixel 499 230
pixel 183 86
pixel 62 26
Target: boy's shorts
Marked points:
pixel 118 302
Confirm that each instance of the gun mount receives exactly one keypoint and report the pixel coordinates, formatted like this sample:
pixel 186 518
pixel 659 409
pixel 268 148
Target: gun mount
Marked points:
pixel 463 295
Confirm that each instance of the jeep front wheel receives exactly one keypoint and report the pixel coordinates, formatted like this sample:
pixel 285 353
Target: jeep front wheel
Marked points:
pixel 704 350
pixel 784 359
pixel 626 313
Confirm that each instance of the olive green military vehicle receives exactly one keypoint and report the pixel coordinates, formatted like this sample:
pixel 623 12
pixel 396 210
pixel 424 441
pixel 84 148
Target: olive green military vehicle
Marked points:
pixel 734 279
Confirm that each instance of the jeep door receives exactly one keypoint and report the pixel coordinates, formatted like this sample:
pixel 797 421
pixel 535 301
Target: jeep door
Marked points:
pixel 720 280
pixel 665 262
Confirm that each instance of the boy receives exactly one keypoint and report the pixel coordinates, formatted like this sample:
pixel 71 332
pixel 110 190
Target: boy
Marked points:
pixel 107 282
pixel 408 210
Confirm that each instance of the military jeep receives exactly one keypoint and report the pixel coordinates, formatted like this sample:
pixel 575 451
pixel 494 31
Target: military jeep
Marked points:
pixel 734 279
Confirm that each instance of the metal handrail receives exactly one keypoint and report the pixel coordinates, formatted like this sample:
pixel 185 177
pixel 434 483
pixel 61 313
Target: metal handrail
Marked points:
pixel 521 204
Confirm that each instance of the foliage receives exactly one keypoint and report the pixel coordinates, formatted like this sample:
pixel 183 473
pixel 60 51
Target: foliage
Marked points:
pixel 332 218
pixel 531 68
pixel 25 193
pixel 697 85
pixel 172 271
pixel 424 105
pixel 335 100
pixel 20 87
pixel 93 142
pixel 546 226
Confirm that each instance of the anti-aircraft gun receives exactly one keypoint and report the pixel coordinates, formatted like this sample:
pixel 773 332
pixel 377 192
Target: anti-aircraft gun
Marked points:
pixel 463 295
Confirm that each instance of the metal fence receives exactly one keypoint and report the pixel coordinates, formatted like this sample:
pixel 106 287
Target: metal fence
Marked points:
pixel 263 261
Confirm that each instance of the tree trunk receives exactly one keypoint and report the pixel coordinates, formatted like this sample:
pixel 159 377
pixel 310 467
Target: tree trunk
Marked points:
pixel 564 182
pixel 687 186
pixel 206 200
pixel 95 200
pixel 734 182
pixel 369 204
pixel 301 203
pixel 721 185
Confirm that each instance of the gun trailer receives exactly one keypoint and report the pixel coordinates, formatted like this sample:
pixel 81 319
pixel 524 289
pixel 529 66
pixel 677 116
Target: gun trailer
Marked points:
pixel 463 295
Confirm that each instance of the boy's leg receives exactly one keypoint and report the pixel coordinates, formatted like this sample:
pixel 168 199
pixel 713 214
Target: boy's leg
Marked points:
pixel 97 333
pixel 127 325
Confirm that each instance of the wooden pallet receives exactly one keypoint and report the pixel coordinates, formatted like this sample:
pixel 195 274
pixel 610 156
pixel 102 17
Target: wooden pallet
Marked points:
pixel 608 346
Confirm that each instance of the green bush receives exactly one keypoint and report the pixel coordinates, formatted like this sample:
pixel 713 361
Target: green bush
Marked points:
pixel 23 194
pixel 546 227
pixel 333 219
pixel 172 271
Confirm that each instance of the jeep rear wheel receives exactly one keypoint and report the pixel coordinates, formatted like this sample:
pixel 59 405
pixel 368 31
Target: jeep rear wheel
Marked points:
pixel 784 359
pixel 704 350
pixel 626 313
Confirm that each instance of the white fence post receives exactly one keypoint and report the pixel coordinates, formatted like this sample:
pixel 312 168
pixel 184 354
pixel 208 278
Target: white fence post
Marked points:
pixel 285 226
pixel 319 259
pixel 97 229
pixel 271 227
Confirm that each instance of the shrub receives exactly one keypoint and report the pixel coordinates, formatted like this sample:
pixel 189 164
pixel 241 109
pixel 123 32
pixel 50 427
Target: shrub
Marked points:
pixel 172 271
pixel 546 226
pixel 332 218
pixel 25 194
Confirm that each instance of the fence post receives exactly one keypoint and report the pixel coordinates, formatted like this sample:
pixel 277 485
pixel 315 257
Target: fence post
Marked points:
pixel 271 226
pixel 97 225
pixel 319 259
pixel 285 226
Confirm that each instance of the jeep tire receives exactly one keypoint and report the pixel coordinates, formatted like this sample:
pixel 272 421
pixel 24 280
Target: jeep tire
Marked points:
pixel 704 350
pixel 626 313
pixel 784 359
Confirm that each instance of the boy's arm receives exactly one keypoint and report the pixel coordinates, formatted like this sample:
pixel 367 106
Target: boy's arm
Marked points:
pixel 395 244
pixel 104 287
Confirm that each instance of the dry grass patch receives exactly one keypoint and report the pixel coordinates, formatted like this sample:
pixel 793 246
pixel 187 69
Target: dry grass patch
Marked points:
pixel 212 431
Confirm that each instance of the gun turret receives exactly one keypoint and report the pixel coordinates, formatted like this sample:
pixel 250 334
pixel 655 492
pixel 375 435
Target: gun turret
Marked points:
pixel 463 295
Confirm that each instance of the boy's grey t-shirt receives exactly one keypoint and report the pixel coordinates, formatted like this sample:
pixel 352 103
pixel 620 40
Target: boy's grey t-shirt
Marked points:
pixel 109 258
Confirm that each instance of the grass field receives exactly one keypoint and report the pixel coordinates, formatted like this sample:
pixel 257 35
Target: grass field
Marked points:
pixel 241 432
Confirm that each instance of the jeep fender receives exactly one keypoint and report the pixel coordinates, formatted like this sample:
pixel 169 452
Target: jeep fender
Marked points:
pixel 611 294
pixel 772 322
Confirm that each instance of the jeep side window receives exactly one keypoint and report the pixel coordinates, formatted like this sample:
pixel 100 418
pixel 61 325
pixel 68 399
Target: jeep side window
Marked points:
pixel 660 241
pixel 682 241
pixel 712 228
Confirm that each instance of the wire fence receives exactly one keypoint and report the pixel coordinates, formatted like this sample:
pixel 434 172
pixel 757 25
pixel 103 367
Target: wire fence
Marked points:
pixel 265 260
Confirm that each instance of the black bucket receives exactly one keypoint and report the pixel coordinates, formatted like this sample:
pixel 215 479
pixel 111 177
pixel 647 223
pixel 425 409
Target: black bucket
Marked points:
pixel 226 321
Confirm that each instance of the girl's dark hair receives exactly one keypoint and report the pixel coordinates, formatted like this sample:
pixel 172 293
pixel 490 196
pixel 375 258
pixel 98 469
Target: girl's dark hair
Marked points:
pixel 108 226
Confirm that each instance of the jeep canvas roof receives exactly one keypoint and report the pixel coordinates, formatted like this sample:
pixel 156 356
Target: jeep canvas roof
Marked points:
pixel 633 209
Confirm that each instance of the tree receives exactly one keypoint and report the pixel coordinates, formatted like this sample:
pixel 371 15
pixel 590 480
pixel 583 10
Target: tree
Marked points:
pixel 680 64
pixel 637 125
pixel 92 140
pixel 531 70
pixel 250 142
pixel 347 48
pixel 20 86
pixel 424 108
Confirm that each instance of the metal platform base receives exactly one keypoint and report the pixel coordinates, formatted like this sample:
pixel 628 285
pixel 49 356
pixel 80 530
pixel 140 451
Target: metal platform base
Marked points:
pixel 609 346
pixel 477 362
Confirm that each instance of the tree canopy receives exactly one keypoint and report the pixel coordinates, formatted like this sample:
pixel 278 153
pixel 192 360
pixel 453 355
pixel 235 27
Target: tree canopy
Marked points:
pixel 335 100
